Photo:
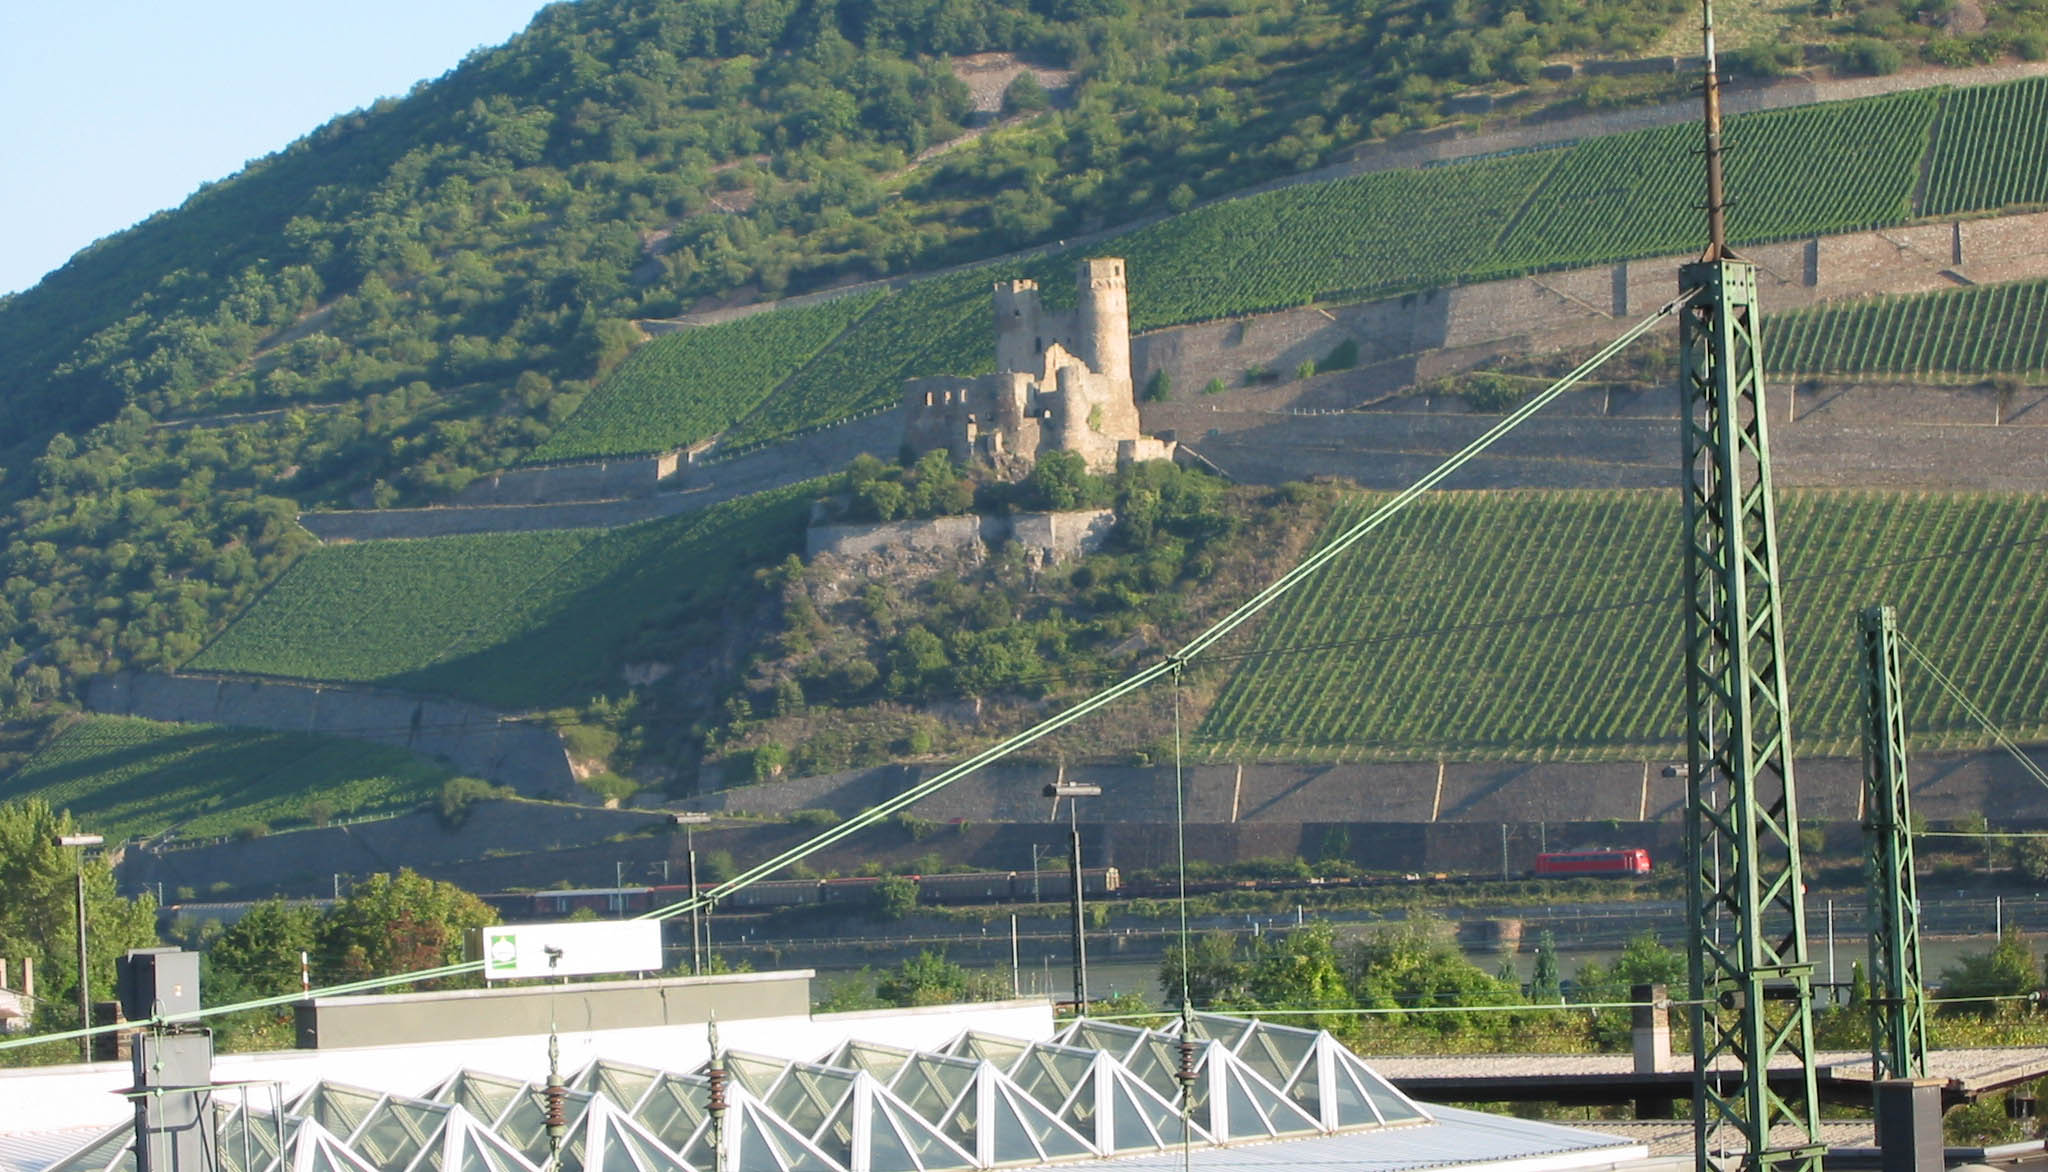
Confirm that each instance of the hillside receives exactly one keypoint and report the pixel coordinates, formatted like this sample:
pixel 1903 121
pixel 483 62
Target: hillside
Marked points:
pixel 448 284
pixel 428 289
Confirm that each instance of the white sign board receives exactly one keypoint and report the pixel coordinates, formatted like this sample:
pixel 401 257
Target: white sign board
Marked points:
pixel 518 951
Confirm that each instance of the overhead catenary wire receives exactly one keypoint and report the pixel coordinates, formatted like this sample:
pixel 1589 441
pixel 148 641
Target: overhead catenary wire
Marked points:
pixel 1169 666
pixel 1955 693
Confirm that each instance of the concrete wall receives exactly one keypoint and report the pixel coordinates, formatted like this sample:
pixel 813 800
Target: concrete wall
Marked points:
pixel 817 453
pixel 329 1023
pixel 592 481
pixel 1946 785
pixel 473 739
pixel 1055 536
pixel 1594 301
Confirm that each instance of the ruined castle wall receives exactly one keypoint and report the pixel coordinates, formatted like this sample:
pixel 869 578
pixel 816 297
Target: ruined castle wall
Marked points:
pixel 1057 535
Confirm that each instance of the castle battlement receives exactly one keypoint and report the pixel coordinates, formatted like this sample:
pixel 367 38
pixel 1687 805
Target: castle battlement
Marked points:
pixel 1062 382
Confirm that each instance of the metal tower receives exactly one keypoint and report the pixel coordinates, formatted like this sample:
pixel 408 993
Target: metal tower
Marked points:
pixel 1898 1009
pixel 1742 829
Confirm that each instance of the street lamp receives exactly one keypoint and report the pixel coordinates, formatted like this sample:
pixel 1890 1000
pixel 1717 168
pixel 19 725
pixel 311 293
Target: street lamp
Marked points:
pixel 81 841
pixel 689 821
pixel 1056 791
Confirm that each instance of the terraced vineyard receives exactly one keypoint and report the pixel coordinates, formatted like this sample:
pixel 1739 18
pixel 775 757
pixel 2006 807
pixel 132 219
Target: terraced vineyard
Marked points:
pixel 124 776
pixel 1814 169
pixel 908 334
pixel 684 387
pixel 1809 170
pixel 1355 237
pixel 518 620
pixel 1544 624
pixel 1992 149
pixel 1961 333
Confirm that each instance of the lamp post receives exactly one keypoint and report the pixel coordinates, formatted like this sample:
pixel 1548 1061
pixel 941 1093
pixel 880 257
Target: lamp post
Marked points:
pixel 1072 791
pixel 689 822
pixel 81 841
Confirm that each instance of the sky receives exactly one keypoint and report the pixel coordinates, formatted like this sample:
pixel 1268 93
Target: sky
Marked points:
pixel 122 108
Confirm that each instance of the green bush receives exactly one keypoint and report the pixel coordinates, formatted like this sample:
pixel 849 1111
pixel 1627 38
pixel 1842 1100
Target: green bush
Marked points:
pixel 1866 55
pixel 1342 356
pixel 1214 386
pixel 1159 388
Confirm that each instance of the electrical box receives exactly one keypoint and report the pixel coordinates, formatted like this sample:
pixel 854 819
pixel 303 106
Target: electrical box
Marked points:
pixel 157 980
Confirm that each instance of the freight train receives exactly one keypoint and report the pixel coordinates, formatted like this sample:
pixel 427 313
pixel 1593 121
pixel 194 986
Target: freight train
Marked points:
pixel 961 887
pixel 1619 861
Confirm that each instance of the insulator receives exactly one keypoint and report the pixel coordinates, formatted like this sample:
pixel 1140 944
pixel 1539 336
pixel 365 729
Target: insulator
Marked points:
pixel 558 1095
pixel 1186 1074
pixel 716 1078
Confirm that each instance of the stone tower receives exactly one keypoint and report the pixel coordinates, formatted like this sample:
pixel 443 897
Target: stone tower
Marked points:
pixel 1062 383
pixel 1020 325
pixel 1102 319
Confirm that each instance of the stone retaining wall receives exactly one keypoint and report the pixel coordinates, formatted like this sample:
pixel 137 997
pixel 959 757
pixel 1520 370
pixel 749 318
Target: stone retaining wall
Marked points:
pixel 1055 536
pixel 474 740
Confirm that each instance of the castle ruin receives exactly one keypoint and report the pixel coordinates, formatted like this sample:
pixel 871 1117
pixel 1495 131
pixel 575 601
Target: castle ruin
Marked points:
pixel 1062 384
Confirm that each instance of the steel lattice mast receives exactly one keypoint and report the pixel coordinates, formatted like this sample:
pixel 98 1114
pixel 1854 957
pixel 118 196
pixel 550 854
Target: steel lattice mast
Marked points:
pixel 1898 1002
pixel 1742 829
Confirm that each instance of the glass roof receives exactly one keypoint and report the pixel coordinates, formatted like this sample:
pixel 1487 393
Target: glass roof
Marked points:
pixel 1098 1090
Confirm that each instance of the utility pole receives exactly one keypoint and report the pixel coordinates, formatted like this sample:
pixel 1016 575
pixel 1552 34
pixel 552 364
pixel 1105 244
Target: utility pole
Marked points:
pixel 79 842
pixel 1898 1001
pixel 1752 994
pixel 1072 791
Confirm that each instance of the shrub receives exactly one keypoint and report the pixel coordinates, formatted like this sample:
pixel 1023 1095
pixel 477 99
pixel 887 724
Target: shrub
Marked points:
pixel 1159 388
pixel 814 818
pixel 1214 387
pixel 1866 55
pixel 458 794
pixel 1342 356
pixel 1307 369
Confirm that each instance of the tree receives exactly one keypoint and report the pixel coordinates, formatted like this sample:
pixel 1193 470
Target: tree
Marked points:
pixel 895 897
pixel 258 955
pixel 1214 978
pixel 930 979
pixel 1985 983
pixel 39 916
pixel 1417 965
pixel 396 924
pixel 1545 986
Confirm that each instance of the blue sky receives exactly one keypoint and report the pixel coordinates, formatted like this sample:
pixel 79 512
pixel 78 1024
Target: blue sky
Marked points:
pixel 118 109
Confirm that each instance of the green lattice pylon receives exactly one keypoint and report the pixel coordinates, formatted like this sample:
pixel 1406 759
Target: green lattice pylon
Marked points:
pixel 1898 1001
pixel 1742 829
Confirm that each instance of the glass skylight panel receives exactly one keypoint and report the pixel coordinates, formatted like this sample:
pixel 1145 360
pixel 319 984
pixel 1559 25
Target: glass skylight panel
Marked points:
pixel 1049 1072
pixel 809 1096
pixel 525 1123
pixel 932 1083
pixel 1277 1053
pixel 1013 1112
pixel 1004 1052
pixel 624 1085
pixel 397 1130
pixel 247 1142
pixel 109 1150
pixel 759 1141
pixel 1391 1105
pixel 486 1096
pixel 919 1137
pixel 340 1109
pixel 675 1109
pixel 1227 1030
pixel 881 1061
pixel 756 1072
pixel 1116 1040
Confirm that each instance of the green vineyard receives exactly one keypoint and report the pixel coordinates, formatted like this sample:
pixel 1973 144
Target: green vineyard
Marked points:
pixel 1992 149
pixel 519 620
pixel 1809 170
pixel 681 388
pixel 1545 625
pixel 1958 333
pixel 124 776
pixel 1814 169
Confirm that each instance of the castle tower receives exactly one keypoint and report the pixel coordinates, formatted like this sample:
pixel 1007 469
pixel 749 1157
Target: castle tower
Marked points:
pixel 1102 319
pixel 1020 325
